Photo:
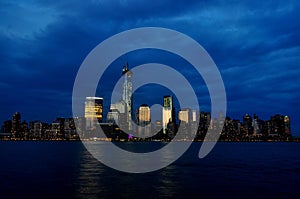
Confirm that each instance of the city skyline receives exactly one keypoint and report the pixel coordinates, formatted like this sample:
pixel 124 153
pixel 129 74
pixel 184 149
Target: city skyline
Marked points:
pixel 151 99
pixel 141 126
pixel 277 128
pixel 256 51
pixel 120 124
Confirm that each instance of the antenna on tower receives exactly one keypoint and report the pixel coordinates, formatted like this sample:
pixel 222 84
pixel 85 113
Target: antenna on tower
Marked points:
pixel 127 65
pixel 125 68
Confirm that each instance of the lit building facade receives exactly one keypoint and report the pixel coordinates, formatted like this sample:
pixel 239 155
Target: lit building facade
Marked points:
pixel 16 125
pixel 127 95
pixel 113 116
pixel 168 115
pixel 185 115
pixel 36 128
pixel 70 129
pixel 287 125
pixel 143 120
pixel 144 115
pixel 247 125
pixel 93 112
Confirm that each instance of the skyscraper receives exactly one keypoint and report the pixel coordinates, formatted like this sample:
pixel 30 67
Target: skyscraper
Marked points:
pixel 287 125
pixel 93 112
pixel 127 94
pixel 185 121
pixel 247 125
pixel 278 124
pixel 185 115
pixel 168 115
pixel 143 119
pixel 16 120
pixel 143 115
pixel 120 112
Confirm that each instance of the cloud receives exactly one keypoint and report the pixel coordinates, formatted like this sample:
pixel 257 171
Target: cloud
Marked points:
pixel 255 45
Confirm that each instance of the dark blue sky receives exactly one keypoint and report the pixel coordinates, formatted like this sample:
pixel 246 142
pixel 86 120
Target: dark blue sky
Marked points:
pixel 255 44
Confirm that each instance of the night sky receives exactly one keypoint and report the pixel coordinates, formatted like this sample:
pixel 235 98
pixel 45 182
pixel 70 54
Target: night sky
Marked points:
pixel 255 44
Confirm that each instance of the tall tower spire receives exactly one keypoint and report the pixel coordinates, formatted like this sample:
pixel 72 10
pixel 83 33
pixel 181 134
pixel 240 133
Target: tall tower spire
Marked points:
pixel 127 94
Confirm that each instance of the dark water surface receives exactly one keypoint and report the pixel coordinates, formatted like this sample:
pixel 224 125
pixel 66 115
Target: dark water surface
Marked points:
pixel 231 170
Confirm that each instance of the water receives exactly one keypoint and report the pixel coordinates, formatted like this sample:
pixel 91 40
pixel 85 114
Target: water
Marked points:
pixel 231 170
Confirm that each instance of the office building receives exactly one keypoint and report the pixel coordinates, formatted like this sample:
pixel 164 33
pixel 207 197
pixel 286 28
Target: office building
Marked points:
pixel 121 112
pixel 185 115
pixel 247 125
pixel 287 125
pixel 143 117
pixel 93 112
pixel 16 125
pixel 168 116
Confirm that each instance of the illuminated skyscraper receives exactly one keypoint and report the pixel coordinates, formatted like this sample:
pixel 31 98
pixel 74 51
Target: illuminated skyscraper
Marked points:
pixel 247 125
pixel 257 125
pixel 185 121
pixel 36 128
pixel 113 116
pixel 144 115
pixel 168 113
pixel 144 119
pixel 287 125
pixel 185 115
pixel 127 95
pixel 93 112
pixel 16 121
pixel 120 112
pixel 194 116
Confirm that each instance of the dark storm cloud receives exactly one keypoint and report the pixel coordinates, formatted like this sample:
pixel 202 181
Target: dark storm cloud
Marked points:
pixel 256 46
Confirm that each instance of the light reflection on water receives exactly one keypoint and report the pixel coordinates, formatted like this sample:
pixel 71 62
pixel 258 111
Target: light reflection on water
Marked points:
pixel 95 180
pixel 232 170
pixel 87 182
pixel 247 170
pixel 136 157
